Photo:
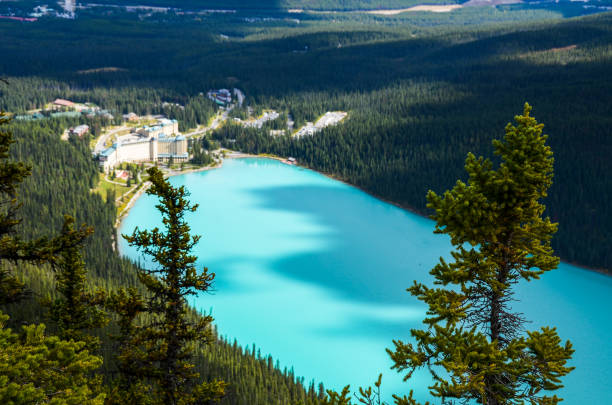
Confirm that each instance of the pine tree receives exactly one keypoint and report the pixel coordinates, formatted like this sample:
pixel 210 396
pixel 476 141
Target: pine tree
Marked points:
pixel 169 337
pixel 36 369
pixel 338 398
pixel 76 311
pixel 365 396
pixel 131 386
pixel 474 345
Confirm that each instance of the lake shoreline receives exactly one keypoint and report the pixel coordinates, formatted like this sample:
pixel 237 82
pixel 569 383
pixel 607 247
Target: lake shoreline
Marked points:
pixel 120 218
pixel 421 214
pixel 241 155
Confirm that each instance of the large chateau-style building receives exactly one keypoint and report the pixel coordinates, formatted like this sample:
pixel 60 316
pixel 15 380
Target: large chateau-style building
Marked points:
pixel 159 143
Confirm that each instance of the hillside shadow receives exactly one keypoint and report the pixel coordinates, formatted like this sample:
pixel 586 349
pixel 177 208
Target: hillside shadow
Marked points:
pixel 304 62
pixel 363 259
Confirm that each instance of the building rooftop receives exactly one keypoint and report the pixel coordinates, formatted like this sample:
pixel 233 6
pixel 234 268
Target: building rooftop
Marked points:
pixel 166 121
pixel 65 103
pixel 71 114
pixel 166 155
pixel 130 139
pixel 108 151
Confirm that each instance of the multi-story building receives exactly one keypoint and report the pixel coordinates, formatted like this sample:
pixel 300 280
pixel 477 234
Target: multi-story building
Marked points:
pixel 221 97
pixel 148 144
pixel 61 103
pixel 130 117
pixel 164 127
pixel 79 130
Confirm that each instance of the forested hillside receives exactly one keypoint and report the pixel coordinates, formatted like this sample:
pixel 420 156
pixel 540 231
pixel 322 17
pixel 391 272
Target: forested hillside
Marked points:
pixel 411 135
pixel 63 174
pixel 272 4
pixel 421 91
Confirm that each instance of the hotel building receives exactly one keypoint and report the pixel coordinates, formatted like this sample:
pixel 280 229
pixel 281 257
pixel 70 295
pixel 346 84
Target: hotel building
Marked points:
pixel 158 143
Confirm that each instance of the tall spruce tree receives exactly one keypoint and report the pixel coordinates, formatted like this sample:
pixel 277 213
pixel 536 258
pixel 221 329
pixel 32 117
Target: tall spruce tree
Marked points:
pixel 169 337
pixel 475 344
pixel 135 369
pixel 76 311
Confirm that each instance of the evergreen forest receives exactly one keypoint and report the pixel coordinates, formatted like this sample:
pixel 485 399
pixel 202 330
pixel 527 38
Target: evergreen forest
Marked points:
pixel 421 91
pixel 419 94
pixel 62 176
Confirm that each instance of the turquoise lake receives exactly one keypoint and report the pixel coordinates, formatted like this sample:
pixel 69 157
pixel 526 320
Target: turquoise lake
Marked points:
pixel 314 272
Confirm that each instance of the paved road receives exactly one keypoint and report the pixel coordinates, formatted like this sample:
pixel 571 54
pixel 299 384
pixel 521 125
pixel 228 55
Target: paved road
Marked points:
pixel 104 137
pixel 219 119
pixel 240 96
pixel 214 124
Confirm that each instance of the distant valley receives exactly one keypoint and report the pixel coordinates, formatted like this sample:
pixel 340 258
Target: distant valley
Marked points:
pixel 389 102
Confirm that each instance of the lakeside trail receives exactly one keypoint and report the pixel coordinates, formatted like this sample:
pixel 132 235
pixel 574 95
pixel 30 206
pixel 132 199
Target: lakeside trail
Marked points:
pixel 131 202
pixel 145 186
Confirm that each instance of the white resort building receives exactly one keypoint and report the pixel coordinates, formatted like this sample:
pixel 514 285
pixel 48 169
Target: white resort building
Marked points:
pixel 158 143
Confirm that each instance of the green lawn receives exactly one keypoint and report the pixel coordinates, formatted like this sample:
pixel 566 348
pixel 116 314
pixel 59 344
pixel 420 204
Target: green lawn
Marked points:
pixel 103 187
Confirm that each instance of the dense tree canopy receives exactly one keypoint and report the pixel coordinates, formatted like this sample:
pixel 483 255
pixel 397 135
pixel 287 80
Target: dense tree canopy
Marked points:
pixel 37 368
pixel 63 175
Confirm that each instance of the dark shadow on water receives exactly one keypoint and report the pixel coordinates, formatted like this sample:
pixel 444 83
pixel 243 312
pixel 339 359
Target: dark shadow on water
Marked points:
pixel 373 250
pixel 369 327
